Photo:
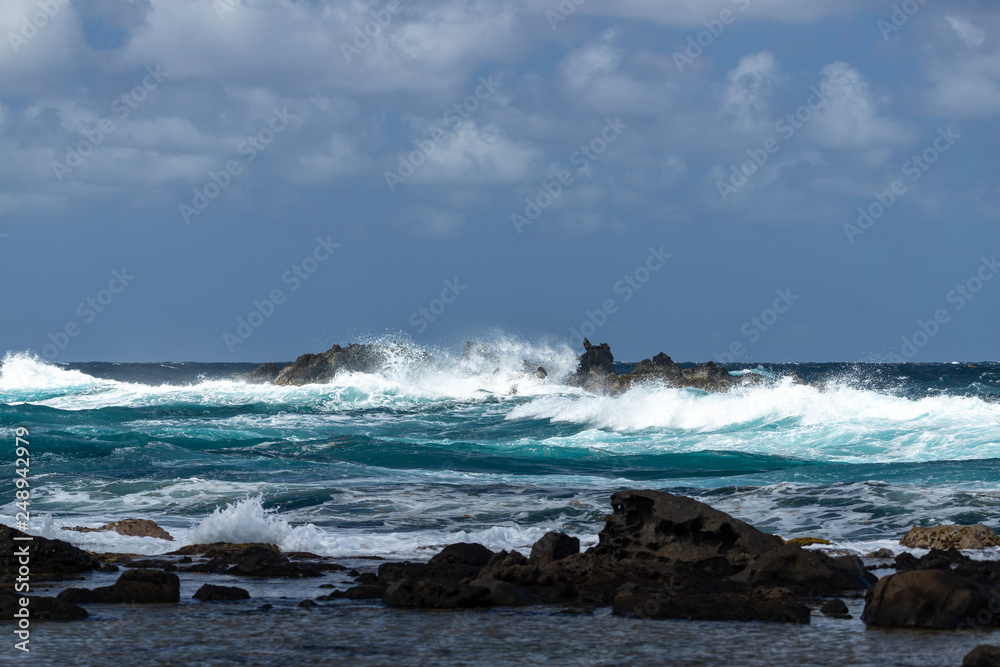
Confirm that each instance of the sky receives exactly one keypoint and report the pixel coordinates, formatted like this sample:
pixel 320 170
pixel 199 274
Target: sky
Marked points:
pixel 737 180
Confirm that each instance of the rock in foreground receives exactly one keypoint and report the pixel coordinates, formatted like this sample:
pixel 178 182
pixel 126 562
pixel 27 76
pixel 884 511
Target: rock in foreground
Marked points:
pixel 132 587
pixel 50 559
pixel 935 598
pixel 984 655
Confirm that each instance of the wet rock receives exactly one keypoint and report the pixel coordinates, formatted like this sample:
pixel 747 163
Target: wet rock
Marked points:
pixel 555 546
pixel 308 604
pixel 263 374
pixel 50 559
pixel 644 602
pixel 365 592
pixel 389 573
pixel 132 587
pixel 212 593
pixel 806 572
pixel 541 373
pixel 40 608
pixel 433 593
pixel 984 655
pixel 504 594
pixel 321 368
pixel 129 527
pixel 261 562
pixel 933 598
pixel 658 526
pixel 932 559
pixel 836 609
pixel 221 550
pixel 595 370
pixel 976 536
pixel 368 578
pixel 463 553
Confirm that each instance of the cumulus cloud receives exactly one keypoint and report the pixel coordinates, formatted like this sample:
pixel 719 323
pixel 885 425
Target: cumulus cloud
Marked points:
pixel 749 86
pixel 851 117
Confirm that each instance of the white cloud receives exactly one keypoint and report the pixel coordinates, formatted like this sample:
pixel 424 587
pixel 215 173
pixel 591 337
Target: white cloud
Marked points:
pixel 970 34
pixel 749 85
pixel 850 118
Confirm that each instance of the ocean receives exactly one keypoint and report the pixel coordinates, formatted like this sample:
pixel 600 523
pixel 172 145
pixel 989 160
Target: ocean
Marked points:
pixel 425 453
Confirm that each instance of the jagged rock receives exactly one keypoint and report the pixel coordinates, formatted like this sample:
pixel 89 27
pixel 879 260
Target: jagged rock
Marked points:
pixel 976 536
pixel 463 553
pixel 658 526
pixel 212 593
pixel 320 368
pixel 130 527
pixel 40 608
pixel 132 587
pixel 596 369
pixel 641 602
pixel 50 559
pixel 263 374
pixel 262 562
pixel 555 546
pixel 807 572
pixel 984 655
pixel 935 598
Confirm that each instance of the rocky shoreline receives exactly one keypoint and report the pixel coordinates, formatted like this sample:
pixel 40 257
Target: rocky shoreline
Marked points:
pixel 595 370
pixel 659 556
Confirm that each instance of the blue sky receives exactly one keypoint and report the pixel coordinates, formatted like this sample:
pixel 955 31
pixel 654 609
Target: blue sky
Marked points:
pixel 512 168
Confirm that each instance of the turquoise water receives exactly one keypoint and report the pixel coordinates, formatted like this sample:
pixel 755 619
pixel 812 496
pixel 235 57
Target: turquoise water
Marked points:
pixel 401 462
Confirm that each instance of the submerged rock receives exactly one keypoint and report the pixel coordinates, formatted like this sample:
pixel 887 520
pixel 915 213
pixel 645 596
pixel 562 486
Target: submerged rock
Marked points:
pixel 132 587
pixel 976 536
pixel 213 593
pixel 935 598
pixel 130 527
pixel 40 608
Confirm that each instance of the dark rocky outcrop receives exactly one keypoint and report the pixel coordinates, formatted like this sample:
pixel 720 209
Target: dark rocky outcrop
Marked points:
pixel 976 536
pixel 130 527
pixel 213 593
pixel 40 608
pixel 807 572
pixel 463 553
pixel 132 587
pixel 835 609
pixel 259 561
pixel 320 368
pixel 935 598
pixel 263 374
pixel 555 546
pixel 984 655
pixel 657 526
pixel 221 550
pixel 50 559
pixel 933 558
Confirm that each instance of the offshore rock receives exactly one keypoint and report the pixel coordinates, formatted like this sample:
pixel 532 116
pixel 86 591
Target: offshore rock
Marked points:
pixel 976 536
pixel 130 527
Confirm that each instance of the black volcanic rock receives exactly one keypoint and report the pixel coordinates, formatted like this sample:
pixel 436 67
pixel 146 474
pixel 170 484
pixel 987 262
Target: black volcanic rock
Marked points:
pixel 935 598
pixel 132 587
pixel 658 526
pixel 213 593
pixel 596 367
pixel 463 554
pixel 50 559
pixel 40 608
pixel 555 546
pixel 806 571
